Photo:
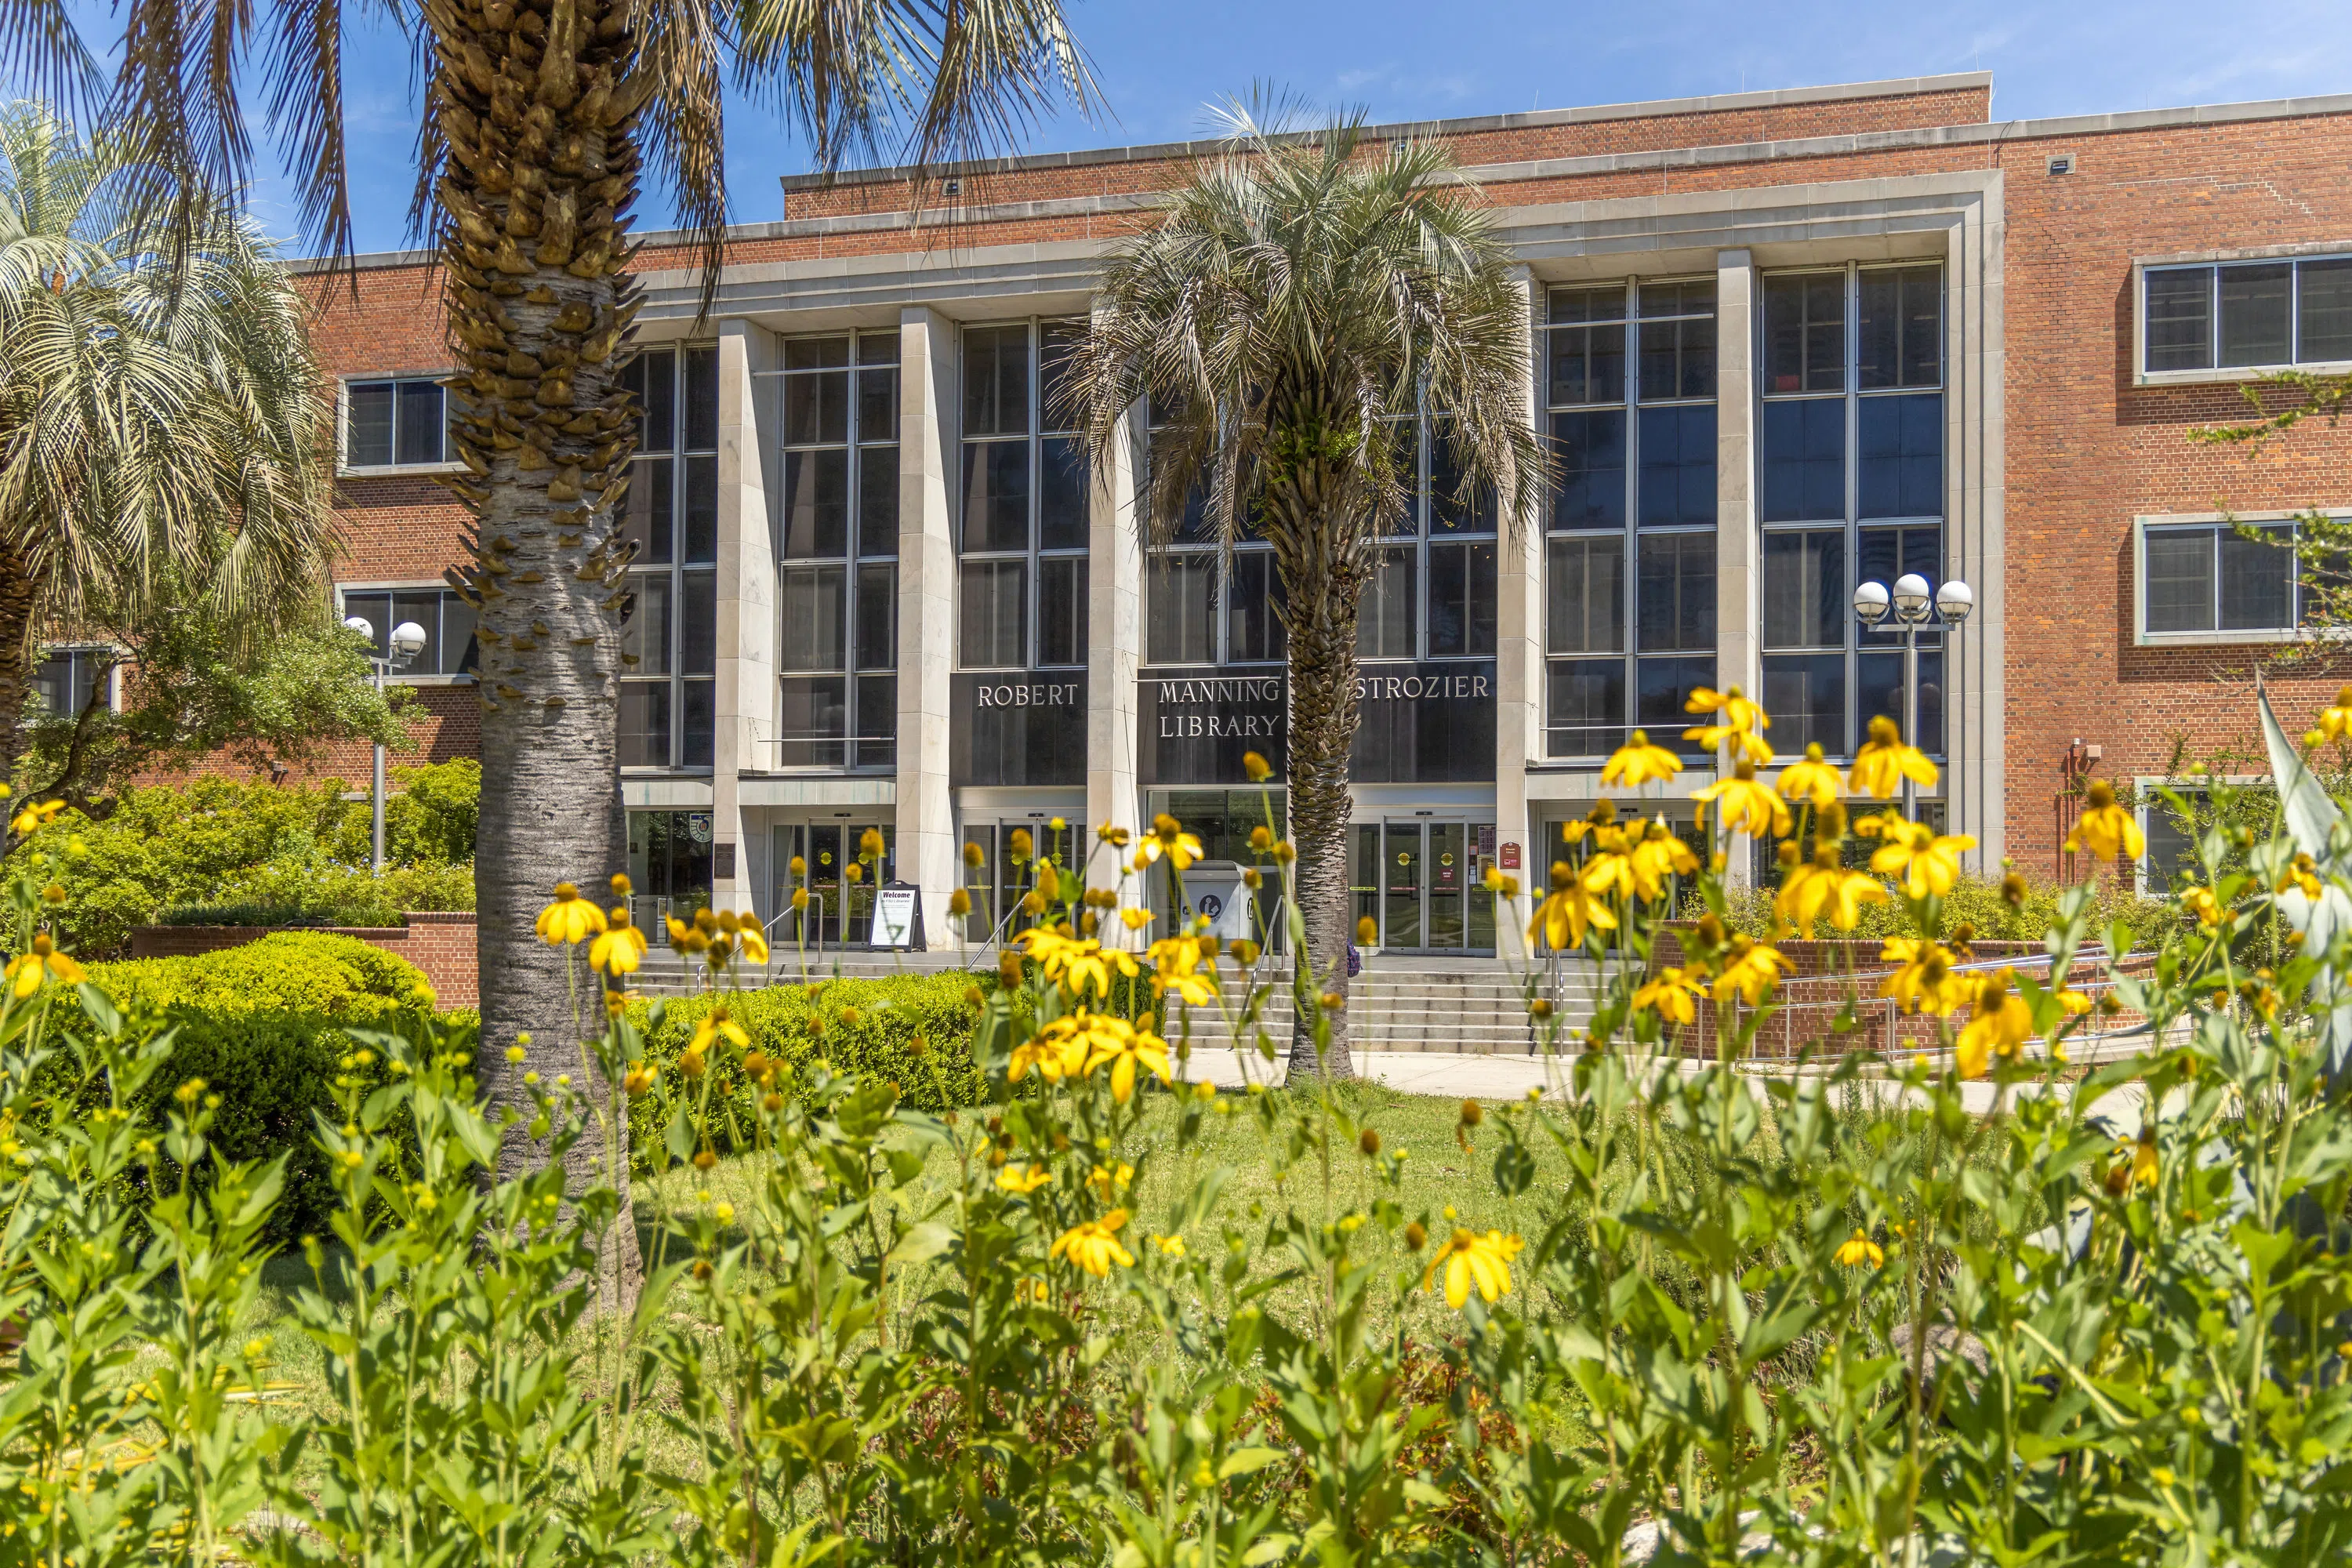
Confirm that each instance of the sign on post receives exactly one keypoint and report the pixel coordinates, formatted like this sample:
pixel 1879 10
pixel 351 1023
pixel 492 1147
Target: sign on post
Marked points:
pixel 897 917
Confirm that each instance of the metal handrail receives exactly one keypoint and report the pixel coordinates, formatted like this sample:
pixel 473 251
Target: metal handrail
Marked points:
pixel 816 902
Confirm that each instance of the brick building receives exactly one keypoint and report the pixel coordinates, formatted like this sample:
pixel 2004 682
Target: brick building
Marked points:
pixel 1784 343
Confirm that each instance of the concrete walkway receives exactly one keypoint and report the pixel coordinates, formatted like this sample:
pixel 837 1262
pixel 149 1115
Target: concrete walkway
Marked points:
pixel 1463 1076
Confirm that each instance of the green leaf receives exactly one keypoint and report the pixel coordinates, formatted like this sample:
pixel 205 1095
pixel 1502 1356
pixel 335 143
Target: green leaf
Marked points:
pixel 1247 1461
pixel 922 1244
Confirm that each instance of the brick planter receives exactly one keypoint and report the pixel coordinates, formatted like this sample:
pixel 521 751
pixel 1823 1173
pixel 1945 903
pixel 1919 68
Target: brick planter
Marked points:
pixel 439 943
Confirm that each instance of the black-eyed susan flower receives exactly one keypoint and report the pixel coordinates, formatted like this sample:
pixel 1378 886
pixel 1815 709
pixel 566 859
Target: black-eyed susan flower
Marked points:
pixel 1811 782
pixel 716 1025
pixel 1023 1180
pixel 1638 762
pixel 37 816
pixel 1125 1049
pixel 1823 889
pixel 1182 964
pixel 1923 980
pixel 1168 837
pixel 2334 721
pixel 2144 1171
pixel 2107 829
pixel 1927 862
pixel 1094 1246
pixel 570 919
pixel 2000 1026
pixel 1469 1261
pixel 1859 1250
pixel 1569 912
pixel 1754 969
pixel 1671 995
pixel 621 947
pixel 1885 762
pixel 1746 804
pixel 41 962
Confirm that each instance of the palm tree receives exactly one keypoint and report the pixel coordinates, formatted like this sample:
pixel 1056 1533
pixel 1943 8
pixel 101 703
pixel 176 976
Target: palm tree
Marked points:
pixel 542 118
pixel 162 434
pixel 1297 296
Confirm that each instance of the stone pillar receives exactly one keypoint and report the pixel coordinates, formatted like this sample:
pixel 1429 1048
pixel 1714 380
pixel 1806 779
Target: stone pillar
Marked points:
pixel 1739 546
pixel 1519 644
pixel 745 700
pixel 1114 652
pixel 927 854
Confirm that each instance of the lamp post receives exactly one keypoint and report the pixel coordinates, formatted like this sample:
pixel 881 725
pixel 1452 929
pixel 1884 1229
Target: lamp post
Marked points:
pixel 407 642
pixel 1911 602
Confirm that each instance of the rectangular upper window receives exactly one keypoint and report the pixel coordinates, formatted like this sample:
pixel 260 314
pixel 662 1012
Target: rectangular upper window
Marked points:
pixel 2269 314
pixel 399 424
pixel 2205 581
pixel 446 621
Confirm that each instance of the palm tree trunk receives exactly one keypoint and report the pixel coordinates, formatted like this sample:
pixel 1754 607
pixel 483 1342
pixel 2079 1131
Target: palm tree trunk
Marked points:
pixel 1323 560
pixel 536 102
pixel 15 652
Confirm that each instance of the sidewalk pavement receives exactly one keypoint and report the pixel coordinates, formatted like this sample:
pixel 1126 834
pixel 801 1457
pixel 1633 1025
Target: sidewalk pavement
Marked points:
pixel 1457 1075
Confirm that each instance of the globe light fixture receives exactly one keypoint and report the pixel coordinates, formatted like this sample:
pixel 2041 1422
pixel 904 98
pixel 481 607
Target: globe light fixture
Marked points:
pixel 1870 603
pixel 1956 601
pixel 407 641
pixel 361 625
pixel 1911 598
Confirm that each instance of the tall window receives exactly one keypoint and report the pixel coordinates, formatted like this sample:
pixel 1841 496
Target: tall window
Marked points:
pixel 2247 314
pixel 1433 591
pixel 1629 622
pixel 1022 584
pixel 1203 608
pixel 837 551
pixel 446 621
pixel 1850 471
pixel 394 423
pixel 668 640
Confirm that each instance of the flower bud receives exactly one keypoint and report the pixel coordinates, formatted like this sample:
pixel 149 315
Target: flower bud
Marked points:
pixel 1367 931
pixel 1472 1113
pixel 1416 1236
pixel 1256 768
pixel 1369 1142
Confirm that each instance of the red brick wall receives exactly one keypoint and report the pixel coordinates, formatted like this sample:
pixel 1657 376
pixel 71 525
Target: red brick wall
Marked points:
pixel 440 943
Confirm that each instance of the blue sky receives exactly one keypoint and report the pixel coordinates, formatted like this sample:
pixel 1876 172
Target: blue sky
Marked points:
pixel 1160 66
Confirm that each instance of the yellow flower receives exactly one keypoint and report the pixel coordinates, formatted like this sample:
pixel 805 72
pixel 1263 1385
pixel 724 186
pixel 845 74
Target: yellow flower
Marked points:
pixel 1746 804
pixel 2073 1003
pixel 1168 837
pixel 1135 919
pixel 1671 996
pixel 1058 1050
pixel 1638 762
pixel 1094 1246
pixel 1661 854
pixel 1569 912
pixel 1822 887
pixel 570 919
pixel 1885 762
pixel 1736 710
pixel 2143 1165
pixel 1023 1180
pixel 1079 964
pixel 1169 1245
pixel 2334 723
pixel 1124 1047
pixel 1608 872
pixel 2001 1025
pixel 2206 908
pixel 715 1026
pixel 1468 1260
pixel 2106 830
pixel 2300 874
pixel 1929 863
pixel 1924 982
pixel 1860 1249
pixel 1108 1183
pixel 1257 769
pixel 26 970
pixel 1180 964
pixel 1812 781
pixel 1754 970
pixel 37 816
pixel 620 949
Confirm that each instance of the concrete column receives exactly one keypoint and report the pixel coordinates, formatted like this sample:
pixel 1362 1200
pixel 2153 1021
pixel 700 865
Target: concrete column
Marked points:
pixel 927 852
pixel 1519 641
pixel 1114 649
pixel 745 701
pixel 1739 546
pixel 1975 431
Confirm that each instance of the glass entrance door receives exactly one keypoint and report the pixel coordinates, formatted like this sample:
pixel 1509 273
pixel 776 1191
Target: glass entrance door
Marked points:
pixel 841 907
pixel 1422 883
pixel 998 873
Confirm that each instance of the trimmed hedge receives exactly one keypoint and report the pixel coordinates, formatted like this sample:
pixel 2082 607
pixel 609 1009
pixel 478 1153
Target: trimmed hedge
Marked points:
pixel 262 1026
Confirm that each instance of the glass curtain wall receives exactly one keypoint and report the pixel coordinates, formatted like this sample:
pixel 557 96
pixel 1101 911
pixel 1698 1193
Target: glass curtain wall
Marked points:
pixel 837 548
pixel 1202 606
pixel 668 635
pixel 1850 442
pixel 1629 563
pixel 1433 591
pixel 1022 583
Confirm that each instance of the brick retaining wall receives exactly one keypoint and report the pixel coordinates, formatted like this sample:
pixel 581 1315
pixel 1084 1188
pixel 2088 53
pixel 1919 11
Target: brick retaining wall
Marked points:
pixel 439 943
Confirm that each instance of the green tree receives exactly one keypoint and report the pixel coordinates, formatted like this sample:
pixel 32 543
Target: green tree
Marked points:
pixel 162 435
pixel 540 118
pixel 1297 296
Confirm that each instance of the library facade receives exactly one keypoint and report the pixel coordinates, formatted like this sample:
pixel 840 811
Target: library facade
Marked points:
pixel 1782 344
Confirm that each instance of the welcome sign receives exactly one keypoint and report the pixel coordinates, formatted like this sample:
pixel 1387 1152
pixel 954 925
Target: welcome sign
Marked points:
pixel 1415 723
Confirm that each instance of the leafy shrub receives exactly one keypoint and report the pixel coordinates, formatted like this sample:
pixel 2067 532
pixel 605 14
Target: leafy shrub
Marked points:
pixel 214 840
pixel 1976 899
pixel 264 1025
